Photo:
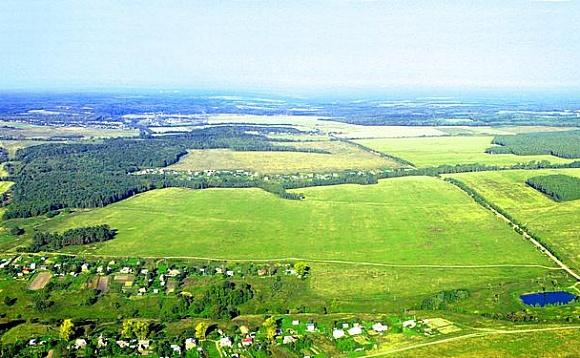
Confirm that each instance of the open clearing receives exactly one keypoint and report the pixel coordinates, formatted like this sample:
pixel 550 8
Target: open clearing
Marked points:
pixel 40 281
pixel 415 220
pixel 434 151
pixel 540 343
pixel 26 131
pixel 556 223
pixel 342 156
pixel 337 129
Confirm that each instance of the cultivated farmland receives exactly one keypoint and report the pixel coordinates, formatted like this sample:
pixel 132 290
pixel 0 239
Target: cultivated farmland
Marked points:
pixel 342 156
pixel 408 221
pixel 434 151
pixel 555 222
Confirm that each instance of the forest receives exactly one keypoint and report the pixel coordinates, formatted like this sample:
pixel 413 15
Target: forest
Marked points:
pixel 560 144
pixel 45 241
pixel 54 176
pixel 559 187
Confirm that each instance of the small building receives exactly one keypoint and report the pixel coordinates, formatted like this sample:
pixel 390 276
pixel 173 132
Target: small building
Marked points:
pixel 295 322
pixel 80 343
pixel 288 340
pixel 345 325
pixel 247 341
pixel 225 342
pixel 337 333
pixel 190 344
pixel 125 270
pixel 354 331
pixel 143 345
pixel 409 324
pixel 310 327
pixel 176 348
pixel 244 330
pixel 85 267
pixel 379 327
pixel 122 344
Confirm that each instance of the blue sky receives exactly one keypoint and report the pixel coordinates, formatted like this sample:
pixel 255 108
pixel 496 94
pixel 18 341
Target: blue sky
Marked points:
pixel 516 44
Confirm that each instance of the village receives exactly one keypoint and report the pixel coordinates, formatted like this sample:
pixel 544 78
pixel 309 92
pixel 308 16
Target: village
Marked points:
pixel 305 335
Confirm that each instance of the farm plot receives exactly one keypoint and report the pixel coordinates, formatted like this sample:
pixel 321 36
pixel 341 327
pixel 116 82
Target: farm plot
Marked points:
pixel 40 281
pixel 555 222
pixel 343 156
pixel 27 131
pixel 434 151
pixel 414 220
pixel 329 127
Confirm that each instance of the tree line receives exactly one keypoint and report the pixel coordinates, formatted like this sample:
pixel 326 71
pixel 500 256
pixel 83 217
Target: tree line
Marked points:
pixel 564 144
pixel 47 241
pixel 558 186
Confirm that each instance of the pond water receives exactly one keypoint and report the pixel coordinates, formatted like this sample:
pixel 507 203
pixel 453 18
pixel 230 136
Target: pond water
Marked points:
pixel 548 298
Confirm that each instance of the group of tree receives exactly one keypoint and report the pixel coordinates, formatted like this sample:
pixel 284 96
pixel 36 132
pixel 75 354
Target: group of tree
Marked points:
pixel 564 144
pixel 558 186
pixel 53 176
pixel 443 298
pixel 46 241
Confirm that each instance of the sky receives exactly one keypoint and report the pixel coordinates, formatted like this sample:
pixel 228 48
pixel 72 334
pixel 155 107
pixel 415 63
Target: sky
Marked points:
pixel 333 44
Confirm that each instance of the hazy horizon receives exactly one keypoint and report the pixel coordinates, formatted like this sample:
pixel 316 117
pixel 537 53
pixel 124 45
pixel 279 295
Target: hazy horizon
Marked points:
pixel 337 46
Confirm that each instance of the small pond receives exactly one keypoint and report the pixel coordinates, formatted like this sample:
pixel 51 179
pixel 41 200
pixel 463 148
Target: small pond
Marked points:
pixel 548 298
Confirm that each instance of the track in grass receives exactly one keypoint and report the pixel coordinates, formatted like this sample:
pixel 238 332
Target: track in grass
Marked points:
pixel 434 151
pixel 416 220
pixel 554 222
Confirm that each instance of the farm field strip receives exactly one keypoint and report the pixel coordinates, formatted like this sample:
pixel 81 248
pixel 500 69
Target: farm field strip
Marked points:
pixel 335 222
pixel 343 156
pixel 554 222
pixel 450 150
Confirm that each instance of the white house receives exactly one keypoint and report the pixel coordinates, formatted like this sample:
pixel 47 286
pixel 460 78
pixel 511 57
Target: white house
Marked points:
pixel 80 343
pixel 409 324
pixel 379 327
pixel 310 327
pixel 337 333
pixel 355 331
pixel 295 322
pixel 225 342
pixel 190 344
pixel 288 340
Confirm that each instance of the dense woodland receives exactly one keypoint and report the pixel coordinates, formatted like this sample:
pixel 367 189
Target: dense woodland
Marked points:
pixel 54 176
pixel 560 144
pixel 46 241
pixel 559 187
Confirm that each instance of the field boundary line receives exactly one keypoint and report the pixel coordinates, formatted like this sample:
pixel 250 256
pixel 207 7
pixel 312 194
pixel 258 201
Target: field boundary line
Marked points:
pixel 287 259
pixel 519 229
pixel 470 335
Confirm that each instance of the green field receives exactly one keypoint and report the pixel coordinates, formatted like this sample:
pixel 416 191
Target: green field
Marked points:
pixel 554 343
pixel 27 131
pixel 557 223
pixel 342 157
pixel 416 220
pixel 433 151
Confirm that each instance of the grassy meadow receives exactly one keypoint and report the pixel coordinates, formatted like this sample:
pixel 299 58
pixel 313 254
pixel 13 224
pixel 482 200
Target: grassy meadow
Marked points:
pixel 342 156
pixel 555 222
pixel 552 343
pixel 434 151
pixel 26 131
pixel 411 221
pixel 329 127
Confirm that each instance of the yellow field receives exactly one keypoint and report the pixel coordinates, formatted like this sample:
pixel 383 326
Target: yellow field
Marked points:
pixel 554 222
pixel 434 151
pixel 343 157
pixel 337 129
pixel 25 131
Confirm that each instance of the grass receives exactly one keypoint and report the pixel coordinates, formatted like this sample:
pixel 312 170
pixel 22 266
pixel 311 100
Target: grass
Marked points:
pixel 558 343
pixel 434 151
pixel 416 220
pixel 27 331
pixel 343 156
pixel 557 223
pixel 337 129
pixel 26 131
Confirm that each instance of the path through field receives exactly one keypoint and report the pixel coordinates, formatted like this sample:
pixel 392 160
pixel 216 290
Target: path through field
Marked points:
pixel 526 236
